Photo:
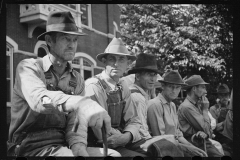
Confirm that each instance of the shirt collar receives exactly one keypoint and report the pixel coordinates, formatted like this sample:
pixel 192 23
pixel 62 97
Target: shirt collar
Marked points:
pixel 108 79
pixel 145 94
pixel 162 99
pixel 191 100
pixel 47 64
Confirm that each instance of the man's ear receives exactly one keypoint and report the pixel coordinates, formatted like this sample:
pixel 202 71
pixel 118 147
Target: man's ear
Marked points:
pixel 129 62
pixel 104 60
pixel 48 40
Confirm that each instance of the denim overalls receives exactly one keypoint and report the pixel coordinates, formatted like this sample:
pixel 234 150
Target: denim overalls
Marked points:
pixel 48 129
pixel 115 107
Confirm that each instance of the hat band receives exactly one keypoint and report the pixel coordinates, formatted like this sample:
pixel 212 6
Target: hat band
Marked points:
pixel 62 27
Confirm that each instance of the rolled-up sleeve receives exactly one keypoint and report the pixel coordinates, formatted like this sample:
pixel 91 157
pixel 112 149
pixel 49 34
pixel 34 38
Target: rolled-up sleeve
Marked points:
pixel 32 88
pixel 155 119
pixel 132 120
pixel 75 137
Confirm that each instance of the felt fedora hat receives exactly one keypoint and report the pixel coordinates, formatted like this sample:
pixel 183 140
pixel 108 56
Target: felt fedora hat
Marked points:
pixel 173 77
pixel 116 47
pixel 145 62
pixel 194 80
pixel 61 22
pixel 222 88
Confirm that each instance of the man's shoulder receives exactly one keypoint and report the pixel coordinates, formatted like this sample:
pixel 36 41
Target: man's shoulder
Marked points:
pixel 154 102
pixel 186 104
pixel 92 80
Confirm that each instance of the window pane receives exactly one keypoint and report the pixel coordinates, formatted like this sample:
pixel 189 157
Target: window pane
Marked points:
pixel 84 15
pixel 87 74
pixel 8 66
pixel 8 91
pixel 41 52
pixel 76 61
pixel 77 69
pixel 86 63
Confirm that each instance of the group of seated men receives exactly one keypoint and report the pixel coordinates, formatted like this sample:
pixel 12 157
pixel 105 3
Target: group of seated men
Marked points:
pixel 56 113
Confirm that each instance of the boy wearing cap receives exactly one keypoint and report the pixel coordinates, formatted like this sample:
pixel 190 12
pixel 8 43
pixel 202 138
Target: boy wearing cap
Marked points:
pixel 162 114
pixel 113 95
pixel 193 116
pixel 50 115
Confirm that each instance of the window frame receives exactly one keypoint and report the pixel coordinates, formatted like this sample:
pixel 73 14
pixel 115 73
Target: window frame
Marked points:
pixel 11 47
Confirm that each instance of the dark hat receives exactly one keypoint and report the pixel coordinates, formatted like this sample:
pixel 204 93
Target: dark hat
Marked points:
pixel 173 77
pixel 194 80
pixel 145 62
pixel 222 88
pixel 116 47
pixel 61 22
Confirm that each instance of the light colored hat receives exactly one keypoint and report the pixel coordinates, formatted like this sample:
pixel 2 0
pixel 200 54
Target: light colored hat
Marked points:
pixel 61 22
pixel 116 47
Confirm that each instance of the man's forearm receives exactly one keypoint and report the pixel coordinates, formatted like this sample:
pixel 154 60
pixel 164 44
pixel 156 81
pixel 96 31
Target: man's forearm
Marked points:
pixel 75 101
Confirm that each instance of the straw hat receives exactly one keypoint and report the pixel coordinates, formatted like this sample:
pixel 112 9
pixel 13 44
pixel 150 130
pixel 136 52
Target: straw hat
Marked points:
pixel 116 47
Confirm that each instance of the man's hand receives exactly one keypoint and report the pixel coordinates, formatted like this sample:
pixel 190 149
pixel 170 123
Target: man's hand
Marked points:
pixel 201 134
pixel 204 103
pixel 116 140
pixel 79 149
pixel 93 115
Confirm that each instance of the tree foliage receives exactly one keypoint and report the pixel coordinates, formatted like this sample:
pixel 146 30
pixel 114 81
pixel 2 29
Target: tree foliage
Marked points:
pixel 196 39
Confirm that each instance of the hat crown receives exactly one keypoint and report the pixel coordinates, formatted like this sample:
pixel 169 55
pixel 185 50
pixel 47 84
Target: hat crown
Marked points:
pixel 195 80
pixel 223 88
pixel 116 46
pixel 173 76
pixel 146 61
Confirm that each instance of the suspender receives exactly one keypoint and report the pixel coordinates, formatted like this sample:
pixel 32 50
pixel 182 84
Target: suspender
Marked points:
pixel 48 75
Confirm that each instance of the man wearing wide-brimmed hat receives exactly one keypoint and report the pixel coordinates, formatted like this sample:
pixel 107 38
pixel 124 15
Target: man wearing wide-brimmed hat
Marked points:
pixel 162 113
pixel 50 115
pixel 193 116
pixel 113 94
pixel 219 110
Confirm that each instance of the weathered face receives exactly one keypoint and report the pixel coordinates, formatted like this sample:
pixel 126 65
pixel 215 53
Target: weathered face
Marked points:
pixel 146 80
pixel 200 90
pixel 116 65
pixel 171 91
pixel 64 47
pixel 223 98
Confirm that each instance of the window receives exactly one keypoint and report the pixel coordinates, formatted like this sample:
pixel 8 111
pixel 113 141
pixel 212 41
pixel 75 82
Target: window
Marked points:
pixel 73 6
pixel 84 15
pixel 9 53
pixel 83 66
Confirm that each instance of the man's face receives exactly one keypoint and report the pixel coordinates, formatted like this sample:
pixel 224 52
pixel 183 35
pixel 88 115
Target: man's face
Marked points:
pixel 200 90
pixel 224 97
pixel 116 65
pixel 65 46
pixel 171 91
pixel 146 80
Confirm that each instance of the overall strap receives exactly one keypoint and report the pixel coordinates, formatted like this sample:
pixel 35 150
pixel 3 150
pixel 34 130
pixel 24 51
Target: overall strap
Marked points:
pixel 104 84
pixel 48 75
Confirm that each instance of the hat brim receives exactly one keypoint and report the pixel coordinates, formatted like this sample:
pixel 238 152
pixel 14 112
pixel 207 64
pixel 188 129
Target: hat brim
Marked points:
pixel 101 55
pixel 137 70
pixel 183 84
pixel 189 86
pixel 42 36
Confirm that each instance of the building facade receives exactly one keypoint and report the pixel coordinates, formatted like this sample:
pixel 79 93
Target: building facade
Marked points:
pixel 26 21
